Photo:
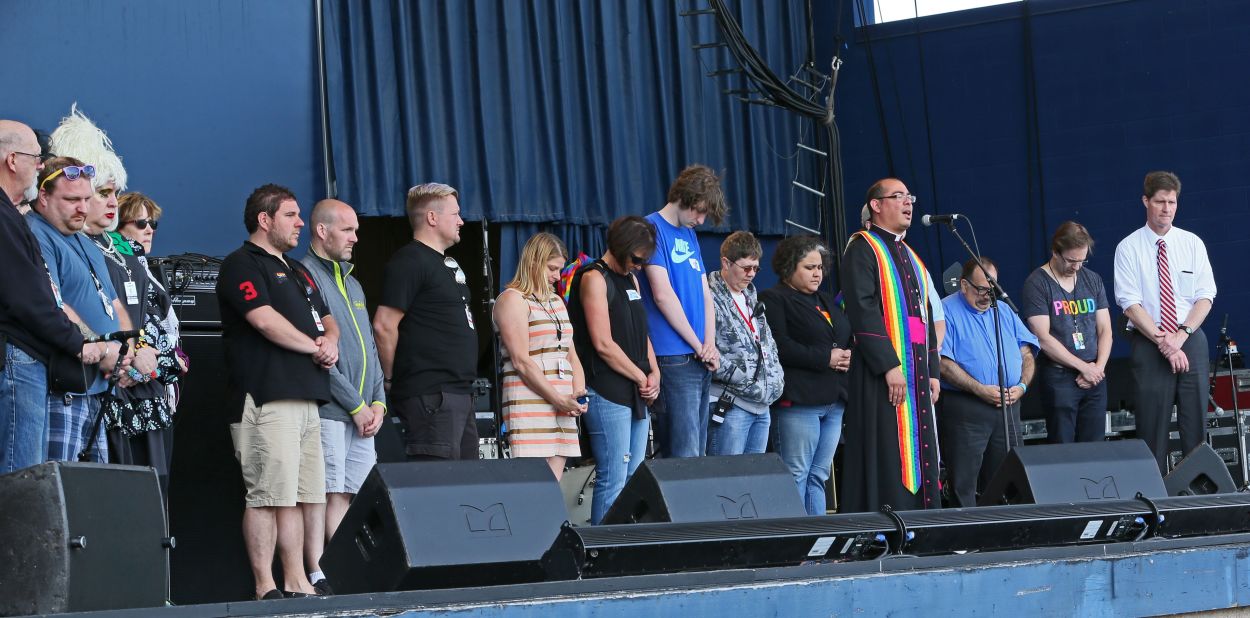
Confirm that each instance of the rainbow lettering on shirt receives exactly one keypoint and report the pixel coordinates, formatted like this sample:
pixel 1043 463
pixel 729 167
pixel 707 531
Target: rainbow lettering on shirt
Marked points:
pixel 1075 307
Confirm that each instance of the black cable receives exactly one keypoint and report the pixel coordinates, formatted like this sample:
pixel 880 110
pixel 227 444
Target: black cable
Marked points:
pixel 1033 130
pixel 928 127
pixel 876 89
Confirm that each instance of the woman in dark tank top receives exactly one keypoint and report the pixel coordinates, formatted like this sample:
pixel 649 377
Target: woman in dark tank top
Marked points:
pixel 610 332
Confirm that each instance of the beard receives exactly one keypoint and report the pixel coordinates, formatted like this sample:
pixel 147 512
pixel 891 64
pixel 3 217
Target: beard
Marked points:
pixel 30 193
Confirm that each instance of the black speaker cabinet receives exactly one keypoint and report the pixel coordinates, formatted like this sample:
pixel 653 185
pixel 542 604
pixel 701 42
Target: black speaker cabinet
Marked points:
pixel 206 485
pixel 1080 472
pixel 700 489
pixel 446 524
pixel 80 537
pixel 1202 472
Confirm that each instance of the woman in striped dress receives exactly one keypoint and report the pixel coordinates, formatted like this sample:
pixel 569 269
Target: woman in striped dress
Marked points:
pixel 542 378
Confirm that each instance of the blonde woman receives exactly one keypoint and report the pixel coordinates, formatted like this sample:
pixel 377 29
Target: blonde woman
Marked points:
pixel 543 384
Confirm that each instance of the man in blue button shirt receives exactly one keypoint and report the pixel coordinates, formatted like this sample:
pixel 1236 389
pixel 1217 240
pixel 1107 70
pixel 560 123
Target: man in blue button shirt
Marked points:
pixel 973 438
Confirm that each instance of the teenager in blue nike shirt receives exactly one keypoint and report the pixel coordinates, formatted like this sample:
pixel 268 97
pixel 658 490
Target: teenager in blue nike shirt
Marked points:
pixel 680 312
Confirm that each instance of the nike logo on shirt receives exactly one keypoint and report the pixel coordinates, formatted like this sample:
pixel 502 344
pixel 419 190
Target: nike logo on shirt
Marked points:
pixel 681 252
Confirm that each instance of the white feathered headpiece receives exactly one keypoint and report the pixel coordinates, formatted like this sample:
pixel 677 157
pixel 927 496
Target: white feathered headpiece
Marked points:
pixel 79 138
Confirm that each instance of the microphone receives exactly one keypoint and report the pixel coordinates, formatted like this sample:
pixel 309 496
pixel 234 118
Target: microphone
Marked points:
pixel 121 335
pixel 928 220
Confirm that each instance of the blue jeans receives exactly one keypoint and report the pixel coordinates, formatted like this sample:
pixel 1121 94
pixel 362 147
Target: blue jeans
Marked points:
pixel 809 438
pixel 619 442
pixel 23 415
pixel 681 425
pixel 741 433
pixel 1073 414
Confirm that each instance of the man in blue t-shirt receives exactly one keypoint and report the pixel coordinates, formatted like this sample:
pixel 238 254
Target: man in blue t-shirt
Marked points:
pixel 82 286
pixel 680 313
pixel 971 420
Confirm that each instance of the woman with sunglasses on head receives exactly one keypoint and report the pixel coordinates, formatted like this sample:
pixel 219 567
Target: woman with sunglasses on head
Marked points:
pixel 749 377
pixel 813 341
pixel 622 377
pixel 542 378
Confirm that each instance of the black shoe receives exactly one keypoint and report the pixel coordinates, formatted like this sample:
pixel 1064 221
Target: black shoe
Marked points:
pixel 272 595
pixel 322 586
pixel 294 595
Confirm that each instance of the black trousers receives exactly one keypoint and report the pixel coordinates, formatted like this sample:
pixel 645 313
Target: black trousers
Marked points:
pixel 973 442
pixel 1158 389
pixel 439 426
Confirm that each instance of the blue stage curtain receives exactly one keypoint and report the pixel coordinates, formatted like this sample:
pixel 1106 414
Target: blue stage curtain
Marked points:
pixel 588 239
pixel 566 111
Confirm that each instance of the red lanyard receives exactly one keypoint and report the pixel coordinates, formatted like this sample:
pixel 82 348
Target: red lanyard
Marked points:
pixel 749 321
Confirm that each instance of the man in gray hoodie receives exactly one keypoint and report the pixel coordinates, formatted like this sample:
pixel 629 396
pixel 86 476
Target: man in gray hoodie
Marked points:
pixel 354 416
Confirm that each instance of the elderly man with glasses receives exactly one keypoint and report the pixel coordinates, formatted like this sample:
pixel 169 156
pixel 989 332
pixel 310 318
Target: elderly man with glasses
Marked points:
pixel 31 326
pixel 980 406
pixel 426 337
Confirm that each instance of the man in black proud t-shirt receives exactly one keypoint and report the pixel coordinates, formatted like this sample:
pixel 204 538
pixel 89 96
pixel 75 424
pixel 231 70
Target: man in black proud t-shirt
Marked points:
pixel 427 341
pixel 1065 305
pixel 280 342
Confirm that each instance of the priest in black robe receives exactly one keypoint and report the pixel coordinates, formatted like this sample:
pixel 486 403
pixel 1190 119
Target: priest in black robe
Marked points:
pixel 891 453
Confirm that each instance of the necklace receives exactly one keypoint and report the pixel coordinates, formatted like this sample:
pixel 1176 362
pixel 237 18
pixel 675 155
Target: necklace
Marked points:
pixel 112 254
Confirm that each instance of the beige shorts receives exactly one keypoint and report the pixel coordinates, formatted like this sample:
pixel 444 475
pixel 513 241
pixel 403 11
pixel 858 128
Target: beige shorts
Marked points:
pixel 278 445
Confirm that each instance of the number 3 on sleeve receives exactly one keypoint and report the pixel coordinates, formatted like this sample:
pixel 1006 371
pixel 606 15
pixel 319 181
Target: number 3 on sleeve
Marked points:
pixel 249 290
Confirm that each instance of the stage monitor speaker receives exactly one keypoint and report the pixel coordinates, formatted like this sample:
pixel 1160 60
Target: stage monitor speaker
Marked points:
pixel 80 537
pixel 1079 472
pixel 699 489
pixel 1202 472
pixel 446 524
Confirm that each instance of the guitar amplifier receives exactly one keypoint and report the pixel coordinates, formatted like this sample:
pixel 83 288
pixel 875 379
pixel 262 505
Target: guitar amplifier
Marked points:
pixel 191 280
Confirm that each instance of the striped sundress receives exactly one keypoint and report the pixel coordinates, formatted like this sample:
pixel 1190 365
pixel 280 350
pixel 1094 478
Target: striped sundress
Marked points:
pixel 534 428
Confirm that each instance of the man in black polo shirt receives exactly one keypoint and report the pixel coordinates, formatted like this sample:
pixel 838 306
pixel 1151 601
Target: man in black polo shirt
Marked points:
pixel 280 342
pixel 427 341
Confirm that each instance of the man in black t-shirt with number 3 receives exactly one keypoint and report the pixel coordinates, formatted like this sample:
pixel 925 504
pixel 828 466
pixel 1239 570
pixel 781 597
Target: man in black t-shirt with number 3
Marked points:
pixel 427 341
pixel 280 342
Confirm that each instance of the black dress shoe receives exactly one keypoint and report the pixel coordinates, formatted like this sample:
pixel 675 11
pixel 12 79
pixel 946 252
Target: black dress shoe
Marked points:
pixel 322 586
pixel 294 595
pixel 272 595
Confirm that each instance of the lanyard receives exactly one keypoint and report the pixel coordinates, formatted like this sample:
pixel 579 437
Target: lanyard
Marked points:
pixel 745 318
pixel 99 289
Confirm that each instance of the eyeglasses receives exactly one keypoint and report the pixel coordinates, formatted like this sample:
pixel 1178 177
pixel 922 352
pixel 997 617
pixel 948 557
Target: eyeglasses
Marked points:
pixel 1072 262
pixel 451 262
pixel 144 223
pixel 638 259
pixel 754 268
pixel 71 172
pixel 38 157
pixel 981 289
pixel 906 197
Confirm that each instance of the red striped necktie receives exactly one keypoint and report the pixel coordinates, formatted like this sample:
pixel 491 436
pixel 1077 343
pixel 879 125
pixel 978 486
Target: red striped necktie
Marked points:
pixel 1167 304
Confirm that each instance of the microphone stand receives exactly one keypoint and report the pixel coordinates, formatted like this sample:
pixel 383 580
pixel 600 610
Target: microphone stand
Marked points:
pixel 488 302
pixel 999 357
pixel 1227 345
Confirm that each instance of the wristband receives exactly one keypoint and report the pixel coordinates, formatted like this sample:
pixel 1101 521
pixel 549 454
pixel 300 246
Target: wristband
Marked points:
pixel 1023 388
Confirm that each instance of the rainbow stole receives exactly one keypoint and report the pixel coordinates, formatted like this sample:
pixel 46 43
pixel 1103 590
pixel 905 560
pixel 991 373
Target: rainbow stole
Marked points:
pixel 899 329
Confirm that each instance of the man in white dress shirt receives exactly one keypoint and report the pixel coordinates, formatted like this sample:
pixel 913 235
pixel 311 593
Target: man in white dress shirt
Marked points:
pixel 1164 284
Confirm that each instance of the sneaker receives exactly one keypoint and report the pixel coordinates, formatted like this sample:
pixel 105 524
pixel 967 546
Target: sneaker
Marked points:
pixel 322 586
pixel 272 595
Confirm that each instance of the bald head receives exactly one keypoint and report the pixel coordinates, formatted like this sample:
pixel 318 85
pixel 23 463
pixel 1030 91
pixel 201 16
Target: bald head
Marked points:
pixel 334 226
pixel 19 161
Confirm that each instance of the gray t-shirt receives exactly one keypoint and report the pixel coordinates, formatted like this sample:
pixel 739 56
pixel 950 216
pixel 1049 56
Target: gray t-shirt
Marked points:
pixel 1072 314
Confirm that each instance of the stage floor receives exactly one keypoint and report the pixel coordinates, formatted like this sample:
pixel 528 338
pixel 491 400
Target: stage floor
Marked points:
pixel 1155 577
